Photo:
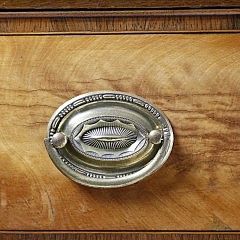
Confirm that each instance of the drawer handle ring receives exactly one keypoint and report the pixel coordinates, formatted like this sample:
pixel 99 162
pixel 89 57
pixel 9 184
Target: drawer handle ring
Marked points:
pixel 108 139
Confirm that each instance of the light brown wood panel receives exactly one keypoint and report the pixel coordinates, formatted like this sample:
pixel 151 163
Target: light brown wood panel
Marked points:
pixel 194 79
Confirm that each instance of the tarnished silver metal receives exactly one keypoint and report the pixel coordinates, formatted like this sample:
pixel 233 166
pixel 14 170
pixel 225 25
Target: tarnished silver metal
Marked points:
pixel 108 139
pixel 155 136
pixel 59 140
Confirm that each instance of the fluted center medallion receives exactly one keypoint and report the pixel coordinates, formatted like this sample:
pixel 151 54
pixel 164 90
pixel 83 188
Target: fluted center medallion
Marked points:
pixel 111 140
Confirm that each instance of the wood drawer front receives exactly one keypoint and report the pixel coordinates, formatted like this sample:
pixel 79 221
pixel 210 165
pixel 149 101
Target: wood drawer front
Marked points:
pixel 194 79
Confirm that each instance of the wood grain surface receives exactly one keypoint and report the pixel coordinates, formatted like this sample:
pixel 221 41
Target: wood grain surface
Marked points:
pixel 117 236
pixel 119 21
pixel 116 4
pixel 194 79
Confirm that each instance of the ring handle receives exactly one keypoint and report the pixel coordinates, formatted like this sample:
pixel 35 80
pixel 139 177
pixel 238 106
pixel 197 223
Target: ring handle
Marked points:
pixel 108 139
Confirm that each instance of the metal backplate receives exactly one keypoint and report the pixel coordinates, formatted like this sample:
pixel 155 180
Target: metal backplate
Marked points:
pixel 108 139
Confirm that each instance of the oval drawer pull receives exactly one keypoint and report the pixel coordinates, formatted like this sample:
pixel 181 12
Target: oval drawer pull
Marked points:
pixel 108 139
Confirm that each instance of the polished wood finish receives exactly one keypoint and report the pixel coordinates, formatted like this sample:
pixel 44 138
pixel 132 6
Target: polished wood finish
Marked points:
pixel 105 16
pixel 118 236
pixel 116 4
pixel 194 79
pixel 127 21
